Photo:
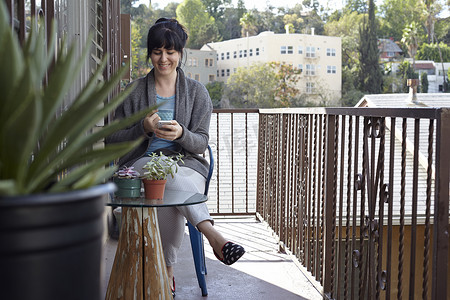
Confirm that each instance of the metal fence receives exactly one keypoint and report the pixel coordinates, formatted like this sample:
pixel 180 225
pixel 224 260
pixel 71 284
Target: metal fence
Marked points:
pixel 360 196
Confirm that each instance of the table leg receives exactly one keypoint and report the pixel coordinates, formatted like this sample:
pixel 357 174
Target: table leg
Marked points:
pixel 139 270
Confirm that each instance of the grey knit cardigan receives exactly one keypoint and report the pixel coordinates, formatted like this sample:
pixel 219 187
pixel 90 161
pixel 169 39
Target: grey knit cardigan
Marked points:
pixel 193 108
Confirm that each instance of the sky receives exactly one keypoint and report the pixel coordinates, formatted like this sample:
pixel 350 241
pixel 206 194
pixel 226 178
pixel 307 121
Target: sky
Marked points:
pixel 262 4
pixel 259 4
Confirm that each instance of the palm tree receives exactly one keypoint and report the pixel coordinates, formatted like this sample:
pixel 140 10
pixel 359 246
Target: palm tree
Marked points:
pixel 411 38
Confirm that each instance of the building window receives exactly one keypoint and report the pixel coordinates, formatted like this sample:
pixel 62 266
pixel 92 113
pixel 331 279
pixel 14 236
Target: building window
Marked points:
pixel 189 75
pixel 234 54
pixel 310 89
pixel 250 53
pixel 300 50
pixel 218 74
pixel 331 69
pixel 194 62
pixel 211 78
pixel 228 72
pixel 331 52
pixel 223 72
pixel 300 67
pixel 197 77
pixel 283 50
pixel 209 62
pixel 222 56
pixel 310 70
pixel 245 53
pixel 257 52
pixel 310 51
pixel 240 53
pixel 228 55
pixel 290 49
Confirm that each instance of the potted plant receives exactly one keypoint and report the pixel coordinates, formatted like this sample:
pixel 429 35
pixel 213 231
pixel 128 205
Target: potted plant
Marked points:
pixel 52 173
pixel 157 170
pixel 128 183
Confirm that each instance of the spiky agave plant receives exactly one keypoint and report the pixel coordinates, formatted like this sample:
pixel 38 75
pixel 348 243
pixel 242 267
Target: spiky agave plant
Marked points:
pixel 43 151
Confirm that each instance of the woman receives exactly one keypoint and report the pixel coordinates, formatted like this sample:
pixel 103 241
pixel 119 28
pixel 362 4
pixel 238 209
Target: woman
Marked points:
pixel 187 104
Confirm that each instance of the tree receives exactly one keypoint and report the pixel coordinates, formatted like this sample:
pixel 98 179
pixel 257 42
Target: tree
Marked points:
pixel 405 71
pixel 432 9
pixel 138 54
pixel 252 87
pixel 396 13
pixel 247 23
pixel 200 25
pixel 411 38
pixel 431 52
pixel 424 82
pixel 215 90
pixel 370 73
pixel 287 77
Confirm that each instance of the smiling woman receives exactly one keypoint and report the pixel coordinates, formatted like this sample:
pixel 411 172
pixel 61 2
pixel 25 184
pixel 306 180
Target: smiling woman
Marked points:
pixel 187 105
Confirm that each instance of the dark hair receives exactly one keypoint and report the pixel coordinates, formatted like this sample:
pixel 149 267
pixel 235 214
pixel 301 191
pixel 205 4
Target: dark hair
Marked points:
pixel 166 33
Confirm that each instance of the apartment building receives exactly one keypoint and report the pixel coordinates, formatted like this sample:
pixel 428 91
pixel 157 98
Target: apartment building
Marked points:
pixel 319 58
pixel 200 65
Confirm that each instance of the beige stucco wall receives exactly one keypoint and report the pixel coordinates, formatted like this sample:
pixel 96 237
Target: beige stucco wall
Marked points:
pixel 266 47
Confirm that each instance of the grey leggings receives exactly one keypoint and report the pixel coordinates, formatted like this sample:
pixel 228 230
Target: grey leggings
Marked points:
pixel 171 220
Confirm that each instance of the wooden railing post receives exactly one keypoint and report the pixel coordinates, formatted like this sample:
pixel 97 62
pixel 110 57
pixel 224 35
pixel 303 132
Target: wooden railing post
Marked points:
pixel 441 227
pixel 328 241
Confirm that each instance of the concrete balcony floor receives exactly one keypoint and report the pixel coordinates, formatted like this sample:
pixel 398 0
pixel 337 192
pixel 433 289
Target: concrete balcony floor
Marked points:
pixel 262 273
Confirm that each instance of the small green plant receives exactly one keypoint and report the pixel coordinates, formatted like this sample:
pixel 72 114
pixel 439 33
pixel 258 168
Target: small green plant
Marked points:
pixel 161 166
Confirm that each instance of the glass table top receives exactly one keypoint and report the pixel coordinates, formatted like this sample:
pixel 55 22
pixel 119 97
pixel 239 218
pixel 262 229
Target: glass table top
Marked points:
pixel 171 198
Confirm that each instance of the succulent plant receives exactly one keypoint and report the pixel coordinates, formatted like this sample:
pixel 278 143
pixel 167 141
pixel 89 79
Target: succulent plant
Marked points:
pixel 127 172
pixel 161 166
pixel 42 150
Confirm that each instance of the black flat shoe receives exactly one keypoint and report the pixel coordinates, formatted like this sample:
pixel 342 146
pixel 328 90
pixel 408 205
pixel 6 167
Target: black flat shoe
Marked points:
pixel 231 253
pixel 173 289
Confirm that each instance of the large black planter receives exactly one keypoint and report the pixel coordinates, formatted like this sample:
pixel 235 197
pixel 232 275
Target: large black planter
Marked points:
pixel 51 245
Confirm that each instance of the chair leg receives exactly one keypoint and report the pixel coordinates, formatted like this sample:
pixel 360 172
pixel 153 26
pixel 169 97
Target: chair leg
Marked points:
pixel 199 257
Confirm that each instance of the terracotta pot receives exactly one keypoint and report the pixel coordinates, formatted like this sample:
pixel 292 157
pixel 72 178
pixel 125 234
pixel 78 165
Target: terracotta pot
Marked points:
pixel 154 189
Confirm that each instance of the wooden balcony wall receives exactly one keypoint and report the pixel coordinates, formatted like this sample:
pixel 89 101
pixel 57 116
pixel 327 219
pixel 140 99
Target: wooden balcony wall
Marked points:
pixel 361 197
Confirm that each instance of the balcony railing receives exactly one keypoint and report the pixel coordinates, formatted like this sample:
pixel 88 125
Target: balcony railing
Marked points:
pixel 360 196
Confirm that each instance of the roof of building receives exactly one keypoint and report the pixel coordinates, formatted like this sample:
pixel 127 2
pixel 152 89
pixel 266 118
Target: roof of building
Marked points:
pixel 387 45
pixel 402 100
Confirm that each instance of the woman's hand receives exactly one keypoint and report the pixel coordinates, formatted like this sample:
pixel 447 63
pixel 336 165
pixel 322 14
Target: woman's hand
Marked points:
pixel 151 122
pixel 169 132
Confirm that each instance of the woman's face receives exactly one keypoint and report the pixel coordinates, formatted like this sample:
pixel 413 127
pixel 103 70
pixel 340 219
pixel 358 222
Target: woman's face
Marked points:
pixel 165 61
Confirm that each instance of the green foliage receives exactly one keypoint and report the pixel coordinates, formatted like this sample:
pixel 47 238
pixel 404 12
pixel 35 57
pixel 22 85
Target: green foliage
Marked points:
pixel 252 87
pixel 346 29
pixel 424 82
pixel 431 52
pixel 44 150
pixel 287 77
pixel 397 13
pixel 442 30
pixel 370 72
pixel 411 38
pixel 200 25
pixel 161 166
pixel 406 71
pixel 215 90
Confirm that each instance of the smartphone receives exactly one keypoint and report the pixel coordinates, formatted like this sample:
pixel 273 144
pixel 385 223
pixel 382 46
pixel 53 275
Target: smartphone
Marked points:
pixel 161 123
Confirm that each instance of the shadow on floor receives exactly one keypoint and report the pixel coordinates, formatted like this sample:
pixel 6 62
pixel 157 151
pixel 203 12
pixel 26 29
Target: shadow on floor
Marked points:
pixel 262 273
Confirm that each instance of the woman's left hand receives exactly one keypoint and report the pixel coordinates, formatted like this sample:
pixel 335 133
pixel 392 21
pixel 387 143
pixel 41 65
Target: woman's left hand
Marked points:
pixel 169 132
